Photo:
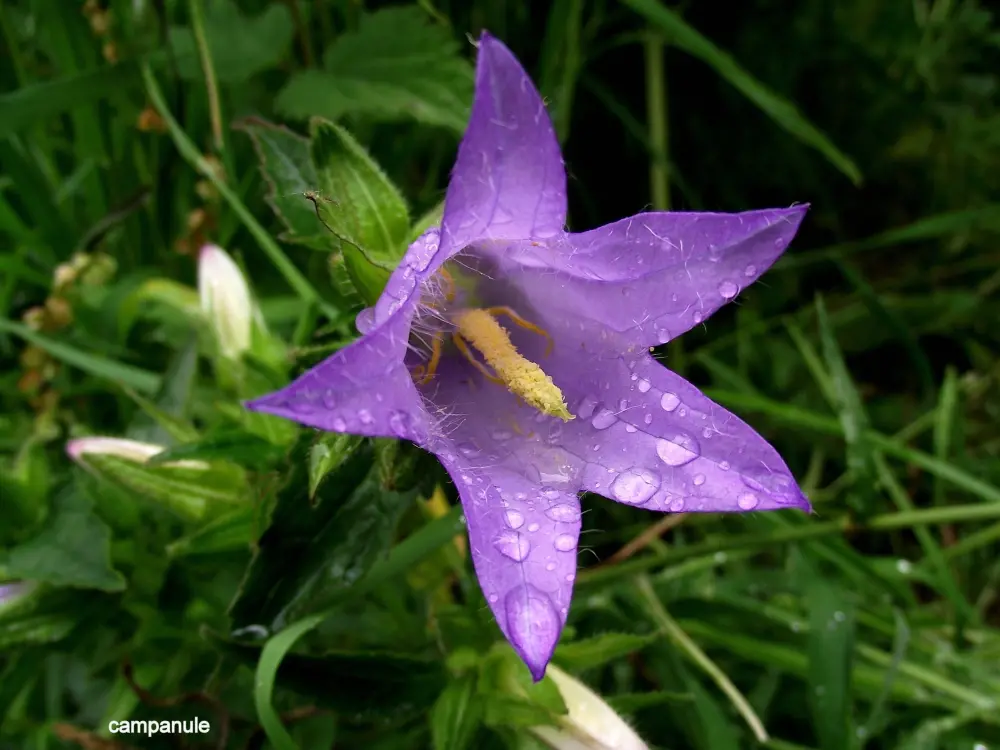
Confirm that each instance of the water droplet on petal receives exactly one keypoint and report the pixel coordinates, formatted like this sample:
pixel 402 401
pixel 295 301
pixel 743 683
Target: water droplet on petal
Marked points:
pixel 603 419
pixel 648 419
pixel 533 527
pixel 532 624
pixel 338 424
pixel 515 519
pixel 586 407
pixel 669 401
pixel 747 501
pixel 570 577
pixel 330 399
pixel 493 597
pixel 682 449
pixel 399 423
pixel 631 428
pixel 365 416
pixel 564 542
pixel 699 479
pixel 643 385
pixel 728 290
pixel 563 513
pixel 512 544
pixel 468 449
pixel 635 486
pixel 501 435
pixel 750 271
pixel 677 505
pixel 724 465
pixel 550 566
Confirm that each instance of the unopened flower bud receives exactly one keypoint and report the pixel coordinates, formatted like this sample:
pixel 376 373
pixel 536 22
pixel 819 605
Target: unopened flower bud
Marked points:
pixel 225 299
pixel 591 724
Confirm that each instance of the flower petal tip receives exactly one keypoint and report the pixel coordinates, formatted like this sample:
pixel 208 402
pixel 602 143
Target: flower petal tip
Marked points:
pixel 533 627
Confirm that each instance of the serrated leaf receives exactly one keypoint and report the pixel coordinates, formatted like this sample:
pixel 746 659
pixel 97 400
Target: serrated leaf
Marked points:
pixel 72 549
pixel 601 649
pixel 456 715
pixel 287 167
pixel 240 46
pixel 395 66
pixel 357 201
pixel 310 556
pixel 187 492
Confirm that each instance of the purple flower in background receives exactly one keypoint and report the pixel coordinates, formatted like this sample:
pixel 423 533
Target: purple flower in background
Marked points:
pixel 518 353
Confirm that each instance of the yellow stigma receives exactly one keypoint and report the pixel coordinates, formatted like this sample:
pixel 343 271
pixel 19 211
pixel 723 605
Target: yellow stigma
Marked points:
pixel 521 376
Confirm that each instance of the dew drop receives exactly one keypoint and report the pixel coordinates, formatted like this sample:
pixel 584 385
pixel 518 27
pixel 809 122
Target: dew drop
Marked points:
pixel 365 416
pixel 330 399
pixel 699 480
pixel 468 449
pixel 603 419
pixel 677 505
pixel 648 419
pixel 501 435
pixel 570 577
pixel 338 424
pixel 682 449
pixel 515 519
pixel 747 501
pixel 586 407
pixel 750 271
pixel 493 597
pixel 399 423
pixel 512 544
pixel 669 401
pixel 631 428
pixel 728 290
pixel 643 385
pixel 533 527
pixel 564 542
pixel 635 486
pixel 550 566
pixel 724 465
pixel 563 513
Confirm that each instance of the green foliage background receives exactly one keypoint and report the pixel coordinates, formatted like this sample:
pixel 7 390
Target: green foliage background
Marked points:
pixel 308 590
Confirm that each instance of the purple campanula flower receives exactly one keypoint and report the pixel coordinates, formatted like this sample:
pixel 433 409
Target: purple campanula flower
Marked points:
pixel 564 397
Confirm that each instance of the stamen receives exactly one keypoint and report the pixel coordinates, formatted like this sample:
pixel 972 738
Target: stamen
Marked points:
pixel 432 363
pixel 522 377
pixel 518 320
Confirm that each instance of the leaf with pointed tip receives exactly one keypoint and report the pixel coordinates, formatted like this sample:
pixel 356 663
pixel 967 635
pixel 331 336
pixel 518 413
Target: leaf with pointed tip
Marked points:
pixel 395 66
pixel 72 549
pixel 593 652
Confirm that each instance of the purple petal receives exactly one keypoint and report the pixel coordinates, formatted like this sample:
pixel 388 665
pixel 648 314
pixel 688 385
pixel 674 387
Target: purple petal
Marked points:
pixel 508 181
pixel 653 275
pixel 521 506
pixel 652 439
pixel 366 388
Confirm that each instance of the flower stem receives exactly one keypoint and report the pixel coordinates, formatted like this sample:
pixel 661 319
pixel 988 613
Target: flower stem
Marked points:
pixel 656 112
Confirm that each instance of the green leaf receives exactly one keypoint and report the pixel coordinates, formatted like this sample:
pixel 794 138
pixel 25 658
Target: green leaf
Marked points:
pixel 327 454
pixel 680 34
pixel 395 66
pixel 240 46
pixel 512 711
pixel 187 492
pixel 93 364
pixel 831 649
pixel 358 203
pixel 311 555
pixel 235 445
pixel 629 703
pixel 361 684
pixel 72 549
pixel 456 715
pixel 593 652
pixel 227 533
pixel 287 168
pixel 848 404
pixel 41 617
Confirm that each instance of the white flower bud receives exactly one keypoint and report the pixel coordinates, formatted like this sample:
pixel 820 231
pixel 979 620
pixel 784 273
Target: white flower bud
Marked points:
pixel 225 300
pixel 591 724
